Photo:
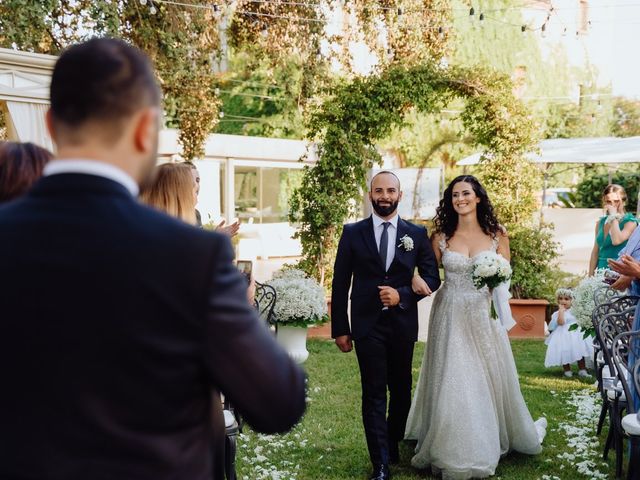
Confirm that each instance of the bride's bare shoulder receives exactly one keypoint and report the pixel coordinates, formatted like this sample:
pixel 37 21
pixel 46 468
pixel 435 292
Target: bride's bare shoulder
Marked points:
pixel 437 237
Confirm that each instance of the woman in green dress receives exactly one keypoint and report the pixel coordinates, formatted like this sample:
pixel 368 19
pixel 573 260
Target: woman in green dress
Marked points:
pixel 613 229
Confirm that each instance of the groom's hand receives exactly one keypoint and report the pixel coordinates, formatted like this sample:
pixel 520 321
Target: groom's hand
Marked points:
pixel 389 296
pixel 344 343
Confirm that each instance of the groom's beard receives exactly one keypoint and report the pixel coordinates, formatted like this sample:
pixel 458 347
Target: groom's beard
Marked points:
pixel 384 210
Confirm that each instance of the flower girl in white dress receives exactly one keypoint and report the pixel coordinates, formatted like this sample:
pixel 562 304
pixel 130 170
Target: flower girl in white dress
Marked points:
pixel 565 346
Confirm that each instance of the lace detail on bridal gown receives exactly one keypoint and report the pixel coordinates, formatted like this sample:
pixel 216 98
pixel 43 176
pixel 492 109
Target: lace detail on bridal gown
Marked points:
pixel 468 410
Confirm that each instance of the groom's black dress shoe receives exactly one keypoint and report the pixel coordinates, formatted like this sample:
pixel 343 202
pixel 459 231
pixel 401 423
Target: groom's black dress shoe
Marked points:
pixel 380 472
pixel 394 453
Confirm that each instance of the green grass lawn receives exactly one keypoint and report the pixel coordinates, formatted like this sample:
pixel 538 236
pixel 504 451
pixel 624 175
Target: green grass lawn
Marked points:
pixel 329 443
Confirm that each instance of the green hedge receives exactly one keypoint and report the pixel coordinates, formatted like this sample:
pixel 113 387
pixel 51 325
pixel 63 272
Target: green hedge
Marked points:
pixel 589 191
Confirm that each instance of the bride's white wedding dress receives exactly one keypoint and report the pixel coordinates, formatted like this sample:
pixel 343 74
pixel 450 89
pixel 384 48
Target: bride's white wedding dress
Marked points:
pixel 468 410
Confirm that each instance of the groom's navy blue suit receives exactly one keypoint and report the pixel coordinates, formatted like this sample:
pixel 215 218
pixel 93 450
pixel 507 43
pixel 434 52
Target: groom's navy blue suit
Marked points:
pixel 384 339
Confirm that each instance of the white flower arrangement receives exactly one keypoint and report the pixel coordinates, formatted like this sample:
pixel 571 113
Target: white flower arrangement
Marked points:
pixel 490 269
pixel 406 242
pixel 300 300
pixel 583 303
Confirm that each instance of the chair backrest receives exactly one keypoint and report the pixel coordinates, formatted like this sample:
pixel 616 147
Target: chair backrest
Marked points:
pixel 615 305
pixel 626 346
pixel 604 294
pixel 612 325
pixel 265 301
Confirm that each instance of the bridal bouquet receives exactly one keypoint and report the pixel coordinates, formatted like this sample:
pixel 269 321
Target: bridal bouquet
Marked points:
pixel 490 269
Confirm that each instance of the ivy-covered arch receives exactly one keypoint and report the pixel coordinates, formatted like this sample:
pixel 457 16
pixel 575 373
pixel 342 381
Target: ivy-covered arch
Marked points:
pixel 347 126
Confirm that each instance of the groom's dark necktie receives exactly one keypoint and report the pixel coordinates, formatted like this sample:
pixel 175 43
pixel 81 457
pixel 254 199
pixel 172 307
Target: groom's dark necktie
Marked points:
pixel 384 242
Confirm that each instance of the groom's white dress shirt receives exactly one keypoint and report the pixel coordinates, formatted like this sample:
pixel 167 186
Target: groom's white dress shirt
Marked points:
pixel 392 231
pixel 92 167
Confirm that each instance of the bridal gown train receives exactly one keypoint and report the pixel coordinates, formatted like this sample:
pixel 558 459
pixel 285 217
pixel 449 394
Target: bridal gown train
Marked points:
pixel 467 410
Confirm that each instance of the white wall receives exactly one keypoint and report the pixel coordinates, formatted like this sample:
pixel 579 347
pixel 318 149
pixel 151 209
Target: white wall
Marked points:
pixel 574 229
pixel 209 197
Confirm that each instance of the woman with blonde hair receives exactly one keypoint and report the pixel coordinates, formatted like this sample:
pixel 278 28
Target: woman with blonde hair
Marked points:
pixel 613 229
pixel 172 192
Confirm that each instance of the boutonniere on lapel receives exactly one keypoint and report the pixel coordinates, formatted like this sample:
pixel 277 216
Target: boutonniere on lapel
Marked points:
pixel 406 242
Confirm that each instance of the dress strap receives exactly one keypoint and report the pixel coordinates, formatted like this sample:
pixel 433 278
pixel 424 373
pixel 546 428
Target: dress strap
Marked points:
pixel 494 243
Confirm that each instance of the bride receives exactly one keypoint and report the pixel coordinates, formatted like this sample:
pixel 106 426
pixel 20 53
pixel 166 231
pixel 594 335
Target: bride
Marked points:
pixel 468 410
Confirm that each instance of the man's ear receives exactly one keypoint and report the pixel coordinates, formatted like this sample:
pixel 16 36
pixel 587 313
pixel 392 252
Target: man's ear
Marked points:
pixel 400 195
pixel 144 134
pixel 48 120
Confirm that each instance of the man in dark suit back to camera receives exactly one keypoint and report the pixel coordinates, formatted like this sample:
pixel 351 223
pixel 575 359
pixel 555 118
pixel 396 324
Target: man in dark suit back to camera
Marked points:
pixel 121 324
pixel 380 254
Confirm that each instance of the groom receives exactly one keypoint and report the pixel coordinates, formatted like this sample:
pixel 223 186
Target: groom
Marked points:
pixel 379 255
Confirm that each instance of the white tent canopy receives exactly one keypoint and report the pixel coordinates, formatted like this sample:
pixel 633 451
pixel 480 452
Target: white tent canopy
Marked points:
pixel 24 94
pixel 580 150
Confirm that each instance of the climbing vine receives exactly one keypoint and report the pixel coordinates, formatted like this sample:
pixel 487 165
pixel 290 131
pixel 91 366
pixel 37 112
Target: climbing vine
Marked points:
pixel 347 126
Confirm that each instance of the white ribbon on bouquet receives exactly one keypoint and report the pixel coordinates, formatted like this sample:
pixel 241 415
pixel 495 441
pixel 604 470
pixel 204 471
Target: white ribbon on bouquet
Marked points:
pixel 501 296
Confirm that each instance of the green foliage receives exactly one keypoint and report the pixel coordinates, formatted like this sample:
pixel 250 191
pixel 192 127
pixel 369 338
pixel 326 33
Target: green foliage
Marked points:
pixel 589 190
pixel 591 118
pixel 180 43
pixel 626 117
pixel 263 100
pixel 348 124
pixel 533 256
pixel 547 79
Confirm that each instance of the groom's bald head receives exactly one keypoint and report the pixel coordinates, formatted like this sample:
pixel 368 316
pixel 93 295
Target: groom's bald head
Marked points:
pixel 385 172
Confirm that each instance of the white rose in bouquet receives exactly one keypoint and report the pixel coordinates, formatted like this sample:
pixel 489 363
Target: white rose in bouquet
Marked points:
pixel 490 269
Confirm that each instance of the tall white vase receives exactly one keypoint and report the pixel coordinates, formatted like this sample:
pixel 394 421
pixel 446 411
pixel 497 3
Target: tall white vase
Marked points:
pixel 294 341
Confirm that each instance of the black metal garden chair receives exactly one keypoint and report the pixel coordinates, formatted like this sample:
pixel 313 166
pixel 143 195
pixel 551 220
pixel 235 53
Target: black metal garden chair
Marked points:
pixel 606 302
pixel 623 345
pixel 610 328
pixel 265 302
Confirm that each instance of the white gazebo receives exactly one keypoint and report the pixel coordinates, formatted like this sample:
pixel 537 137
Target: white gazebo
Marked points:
pixel 24 94
pixel 609 150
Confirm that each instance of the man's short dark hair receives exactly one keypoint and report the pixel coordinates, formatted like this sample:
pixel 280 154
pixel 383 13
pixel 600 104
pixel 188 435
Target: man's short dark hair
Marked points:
pixel 103 80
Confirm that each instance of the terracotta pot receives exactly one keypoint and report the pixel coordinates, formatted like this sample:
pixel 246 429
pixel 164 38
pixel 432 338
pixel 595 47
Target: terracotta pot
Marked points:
pixel 324 330
pixel 529 315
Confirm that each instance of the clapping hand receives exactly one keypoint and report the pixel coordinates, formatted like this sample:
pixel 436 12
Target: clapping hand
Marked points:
pixel 626 265
pixel 230 230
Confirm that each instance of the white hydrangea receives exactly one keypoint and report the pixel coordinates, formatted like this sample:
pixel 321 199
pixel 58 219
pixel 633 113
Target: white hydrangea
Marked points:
pixel 300 300
pixel 490 269
pixel 583 303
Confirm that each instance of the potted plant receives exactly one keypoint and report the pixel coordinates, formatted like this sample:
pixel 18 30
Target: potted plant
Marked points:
pixel 300 303
pixel 534 280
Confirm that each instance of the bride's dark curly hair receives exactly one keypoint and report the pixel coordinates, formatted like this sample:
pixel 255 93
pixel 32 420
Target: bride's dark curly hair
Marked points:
pixel 446 219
